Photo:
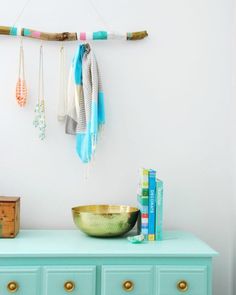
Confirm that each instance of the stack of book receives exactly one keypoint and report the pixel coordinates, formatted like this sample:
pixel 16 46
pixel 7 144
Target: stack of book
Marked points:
pixel 150 200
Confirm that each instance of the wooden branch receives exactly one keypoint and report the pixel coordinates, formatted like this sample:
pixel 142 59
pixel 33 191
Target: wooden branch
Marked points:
pixel 66 36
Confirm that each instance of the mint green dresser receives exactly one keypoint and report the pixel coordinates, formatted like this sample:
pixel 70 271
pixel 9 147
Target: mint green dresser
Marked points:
pixel 63 262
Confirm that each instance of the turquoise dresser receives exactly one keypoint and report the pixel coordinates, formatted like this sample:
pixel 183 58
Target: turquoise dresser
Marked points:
pixel 62 262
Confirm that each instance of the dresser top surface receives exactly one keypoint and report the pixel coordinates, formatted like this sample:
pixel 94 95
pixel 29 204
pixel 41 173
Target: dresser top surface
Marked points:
pixel 69 243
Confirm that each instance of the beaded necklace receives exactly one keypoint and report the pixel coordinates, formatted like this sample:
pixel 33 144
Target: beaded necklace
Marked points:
pixel 21 89
pixel 39 120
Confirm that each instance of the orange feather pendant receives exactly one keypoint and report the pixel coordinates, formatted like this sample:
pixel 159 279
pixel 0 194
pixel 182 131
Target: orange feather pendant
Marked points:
pixel 21 92
pixel 21 89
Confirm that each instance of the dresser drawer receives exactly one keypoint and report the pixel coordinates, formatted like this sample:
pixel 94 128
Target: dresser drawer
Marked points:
pixel 70 280
pixel 20 280
pixel 176 280
pixel 122 280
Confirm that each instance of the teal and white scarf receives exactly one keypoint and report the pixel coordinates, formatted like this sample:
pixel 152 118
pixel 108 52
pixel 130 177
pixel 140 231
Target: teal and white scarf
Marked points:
pixel 84 108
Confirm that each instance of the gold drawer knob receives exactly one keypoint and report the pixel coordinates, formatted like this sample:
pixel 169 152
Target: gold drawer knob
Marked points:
pixel 12 287
pixel 182 286
pixel 128 286
pixel 69 286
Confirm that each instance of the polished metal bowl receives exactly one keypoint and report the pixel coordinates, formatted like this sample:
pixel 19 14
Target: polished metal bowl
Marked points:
pixel 105 220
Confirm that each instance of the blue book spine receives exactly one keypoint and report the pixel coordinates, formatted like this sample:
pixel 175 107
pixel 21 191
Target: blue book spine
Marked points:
pixel 159 210
pixel 152 205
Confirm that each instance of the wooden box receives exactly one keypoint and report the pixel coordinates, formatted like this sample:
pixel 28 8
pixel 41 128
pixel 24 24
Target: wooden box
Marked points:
pixel 9 216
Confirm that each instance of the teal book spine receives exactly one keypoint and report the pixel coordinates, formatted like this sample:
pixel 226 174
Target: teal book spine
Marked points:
pixel 152 205
pixel 159 210
pixel 143 200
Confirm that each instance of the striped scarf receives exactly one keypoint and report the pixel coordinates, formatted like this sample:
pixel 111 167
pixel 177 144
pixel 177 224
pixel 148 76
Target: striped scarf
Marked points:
pixel 85 112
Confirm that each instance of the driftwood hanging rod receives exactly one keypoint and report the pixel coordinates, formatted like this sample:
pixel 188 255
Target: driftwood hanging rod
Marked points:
pixel 66 36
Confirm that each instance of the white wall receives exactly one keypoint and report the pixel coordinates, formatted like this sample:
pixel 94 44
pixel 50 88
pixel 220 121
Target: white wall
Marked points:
pixel 168 105
pixel 233 138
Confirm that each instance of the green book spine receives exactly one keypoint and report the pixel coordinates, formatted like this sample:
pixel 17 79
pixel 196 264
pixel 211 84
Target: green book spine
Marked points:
pixel 143 200
pixel 143 191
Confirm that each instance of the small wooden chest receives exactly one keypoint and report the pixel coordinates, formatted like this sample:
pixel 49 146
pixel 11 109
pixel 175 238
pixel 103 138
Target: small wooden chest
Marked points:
pixel 9 216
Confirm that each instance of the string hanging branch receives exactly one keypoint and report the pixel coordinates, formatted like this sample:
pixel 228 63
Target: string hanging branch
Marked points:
pixel 67 36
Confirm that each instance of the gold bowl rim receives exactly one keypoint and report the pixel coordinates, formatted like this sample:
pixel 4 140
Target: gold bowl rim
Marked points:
pixel 114 209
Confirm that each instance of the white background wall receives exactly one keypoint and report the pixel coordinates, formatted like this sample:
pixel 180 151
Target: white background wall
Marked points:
pixel 168 106
pixel 233 143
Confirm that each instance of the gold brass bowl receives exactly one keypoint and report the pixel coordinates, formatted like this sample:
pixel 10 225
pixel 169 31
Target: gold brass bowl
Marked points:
pixel 105 220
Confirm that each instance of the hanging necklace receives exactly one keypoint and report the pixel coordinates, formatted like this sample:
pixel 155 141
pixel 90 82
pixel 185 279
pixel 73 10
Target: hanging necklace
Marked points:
pixel 39 120
pixel 21 89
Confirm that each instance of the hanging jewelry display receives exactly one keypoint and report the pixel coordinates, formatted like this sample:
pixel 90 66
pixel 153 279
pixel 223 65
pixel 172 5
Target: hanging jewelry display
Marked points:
pixel 21 89
pixel 39 120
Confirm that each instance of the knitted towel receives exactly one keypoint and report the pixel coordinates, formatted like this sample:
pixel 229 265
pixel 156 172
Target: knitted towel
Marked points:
pixel 85 102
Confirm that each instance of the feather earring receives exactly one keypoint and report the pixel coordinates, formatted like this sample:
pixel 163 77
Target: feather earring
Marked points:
pixel 39 120
pixel 21 89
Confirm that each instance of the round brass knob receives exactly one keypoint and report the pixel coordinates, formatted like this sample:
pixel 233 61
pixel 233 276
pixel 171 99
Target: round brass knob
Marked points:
pixel 182 286
pixel 69 286
pixel 12 287
pixel 128 286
